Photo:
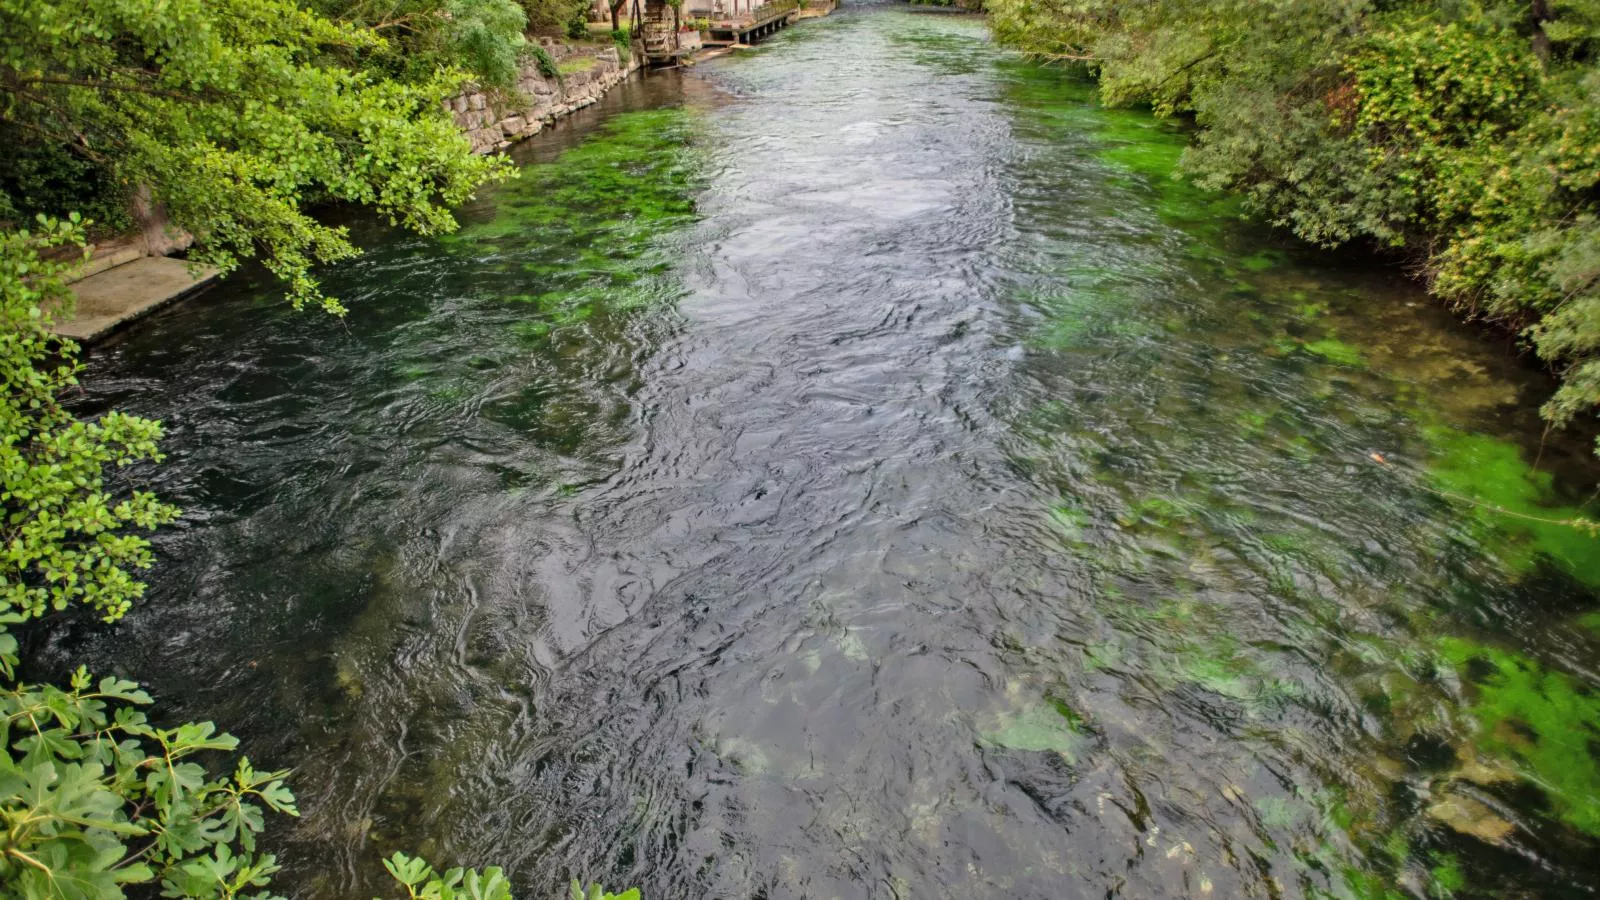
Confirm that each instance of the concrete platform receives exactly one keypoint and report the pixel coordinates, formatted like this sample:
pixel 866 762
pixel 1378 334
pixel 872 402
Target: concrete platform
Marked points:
pixel 109 299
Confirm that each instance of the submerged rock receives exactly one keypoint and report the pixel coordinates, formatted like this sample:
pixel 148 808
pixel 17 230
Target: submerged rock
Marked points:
pixel 1471 817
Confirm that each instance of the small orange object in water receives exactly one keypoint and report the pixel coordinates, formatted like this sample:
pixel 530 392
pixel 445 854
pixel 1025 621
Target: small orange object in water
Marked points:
pixel 1377 458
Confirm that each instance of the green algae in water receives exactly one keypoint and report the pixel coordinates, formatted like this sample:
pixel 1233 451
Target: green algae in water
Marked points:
pixel 1037 89
pixel 1103 655
pixel 1541 721
pixel 1161 512
pixel 1044 727
pixel 944 52
pixel 1261 261
pixel 1310 309
pixel 1138 142
pixel 1335 854
pixel 1146 151
pixel 1590 621
pixel 1511 502
pixel 1157 160
pixel 1093 309
pixel 1335 351
pixel 1220 666
pixel 1446 875
pixel 1069 520
pixel 1252 423
pixel 593 226
pixel 1374 850
pixel 570 257
pixel 1204 214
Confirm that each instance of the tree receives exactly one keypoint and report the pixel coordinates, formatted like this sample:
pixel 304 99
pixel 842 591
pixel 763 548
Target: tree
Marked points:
pixel 569 17
pixel 423 37
pixel 237 114
pixel 63 540
pixel 616 8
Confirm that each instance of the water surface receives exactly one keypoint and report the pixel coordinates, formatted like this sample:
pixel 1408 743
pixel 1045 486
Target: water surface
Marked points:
pixel 857 469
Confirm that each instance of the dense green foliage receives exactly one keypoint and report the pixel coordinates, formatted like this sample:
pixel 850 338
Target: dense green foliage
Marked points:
pixel 93 797
pixel 40 177
pixel 483 37
pixel 422 882
pixel 236 115
pixel 64 540
pixel 557 17
pixel 1463 134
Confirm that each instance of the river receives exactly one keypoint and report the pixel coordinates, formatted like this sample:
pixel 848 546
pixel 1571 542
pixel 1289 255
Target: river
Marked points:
pixel 856 468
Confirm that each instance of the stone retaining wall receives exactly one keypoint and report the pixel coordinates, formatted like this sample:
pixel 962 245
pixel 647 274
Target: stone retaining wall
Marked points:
pixel 588 72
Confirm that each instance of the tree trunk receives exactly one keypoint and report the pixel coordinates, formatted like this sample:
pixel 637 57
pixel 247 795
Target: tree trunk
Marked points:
pixel 615 25
pixel 1540 12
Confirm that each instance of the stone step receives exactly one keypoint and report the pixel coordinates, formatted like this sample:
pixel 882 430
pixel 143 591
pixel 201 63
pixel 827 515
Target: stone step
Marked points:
pixel 119 256
pixel 114 296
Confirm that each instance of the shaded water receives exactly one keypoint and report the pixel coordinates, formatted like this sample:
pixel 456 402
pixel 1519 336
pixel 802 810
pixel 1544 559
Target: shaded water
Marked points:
pixel 857 469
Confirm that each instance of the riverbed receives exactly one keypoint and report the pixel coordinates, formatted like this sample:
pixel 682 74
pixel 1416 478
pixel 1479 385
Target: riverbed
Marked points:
pixel 858 468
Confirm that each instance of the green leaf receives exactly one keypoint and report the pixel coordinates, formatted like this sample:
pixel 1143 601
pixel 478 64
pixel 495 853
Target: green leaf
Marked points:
pixel 409 871
pixel 137 873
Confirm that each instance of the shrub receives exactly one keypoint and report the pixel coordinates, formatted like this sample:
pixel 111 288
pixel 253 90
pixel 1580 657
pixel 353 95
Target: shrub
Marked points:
pixel 557 17
pixel 1464 136
pixel 546 63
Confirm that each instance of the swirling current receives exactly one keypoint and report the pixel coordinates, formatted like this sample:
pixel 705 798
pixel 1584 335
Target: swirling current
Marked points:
pixel 858 468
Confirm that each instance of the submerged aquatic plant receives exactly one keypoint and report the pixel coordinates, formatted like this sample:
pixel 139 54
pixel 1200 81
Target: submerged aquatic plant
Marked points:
pixel 1047 726
pixel 1540 720
pixel 1510 499
pixel 1335 351
pixel 591 230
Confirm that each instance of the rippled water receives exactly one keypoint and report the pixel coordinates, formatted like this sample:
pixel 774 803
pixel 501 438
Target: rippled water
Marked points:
pixel 856 469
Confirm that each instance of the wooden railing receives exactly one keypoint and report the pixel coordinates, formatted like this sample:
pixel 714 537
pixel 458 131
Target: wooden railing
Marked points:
pixel 769 11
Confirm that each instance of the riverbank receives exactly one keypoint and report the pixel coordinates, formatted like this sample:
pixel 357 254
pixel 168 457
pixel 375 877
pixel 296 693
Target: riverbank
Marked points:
pixel 568 78
pixel 108 300
pixel 128 276
pixel 1464 140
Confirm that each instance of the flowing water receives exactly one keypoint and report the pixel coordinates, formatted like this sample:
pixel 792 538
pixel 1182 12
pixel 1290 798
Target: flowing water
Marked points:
pixel 858 469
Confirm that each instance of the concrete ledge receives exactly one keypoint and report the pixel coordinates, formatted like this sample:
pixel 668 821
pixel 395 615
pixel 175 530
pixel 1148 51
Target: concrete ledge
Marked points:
pixel 102 260
pixel 116 296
